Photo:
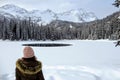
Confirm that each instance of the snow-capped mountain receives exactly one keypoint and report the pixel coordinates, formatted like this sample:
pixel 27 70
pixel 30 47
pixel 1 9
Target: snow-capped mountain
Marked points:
pixel 43 16
pixel 77 15
pixel 13 10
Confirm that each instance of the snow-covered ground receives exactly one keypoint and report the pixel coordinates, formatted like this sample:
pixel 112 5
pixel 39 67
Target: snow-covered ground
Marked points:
pixel 84 60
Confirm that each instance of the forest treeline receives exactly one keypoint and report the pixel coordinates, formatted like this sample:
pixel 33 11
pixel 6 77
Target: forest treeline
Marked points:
pixel 16 29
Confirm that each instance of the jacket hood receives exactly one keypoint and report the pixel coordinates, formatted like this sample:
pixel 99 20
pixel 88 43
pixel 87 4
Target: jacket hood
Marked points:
pixel 27 68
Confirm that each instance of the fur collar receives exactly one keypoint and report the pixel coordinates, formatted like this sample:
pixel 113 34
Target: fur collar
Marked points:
pixel 26 69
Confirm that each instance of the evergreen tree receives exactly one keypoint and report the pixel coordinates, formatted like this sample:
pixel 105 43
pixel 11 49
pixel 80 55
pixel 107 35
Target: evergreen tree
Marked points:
pixel 117 3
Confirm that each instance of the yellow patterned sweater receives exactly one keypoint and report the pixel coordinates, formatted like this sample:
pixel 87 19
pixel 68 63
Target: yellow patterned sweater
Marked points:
pixel 29 69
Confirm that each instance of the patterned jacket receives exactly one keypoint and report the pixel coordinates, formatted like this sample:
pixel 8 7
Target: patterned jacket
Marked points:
pixel 29 69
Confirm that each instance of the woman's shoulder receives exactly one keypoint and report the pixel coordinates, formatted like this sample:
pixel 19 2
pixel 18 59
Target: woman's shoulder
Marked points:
pixel 39 62
pixel 18 61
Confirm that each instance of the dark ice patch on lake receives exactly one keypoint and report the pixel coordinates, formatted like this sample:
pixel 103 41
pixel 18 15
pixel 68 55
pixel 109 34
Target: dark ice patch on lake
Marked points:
pixel 47 45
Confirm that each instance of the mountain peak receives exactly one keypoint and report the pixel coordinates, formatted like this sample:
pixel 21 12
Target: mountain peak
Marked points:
pixel 13 8
pixel 8 6
pixel 77 15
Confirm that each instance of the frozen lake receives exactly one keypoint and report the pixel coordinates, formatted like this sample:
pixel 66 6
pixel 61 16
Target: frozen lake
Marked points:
pixel 83 56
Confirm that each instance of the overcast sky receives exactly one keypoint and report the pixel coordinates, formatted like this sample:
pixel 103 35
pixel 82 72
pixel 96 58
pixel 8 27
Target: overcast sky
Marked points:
pixel 101 8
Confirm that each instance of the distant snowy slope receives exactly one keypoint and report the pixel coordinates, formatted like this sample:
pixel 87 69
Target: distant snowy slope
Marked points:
pixel 76 15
